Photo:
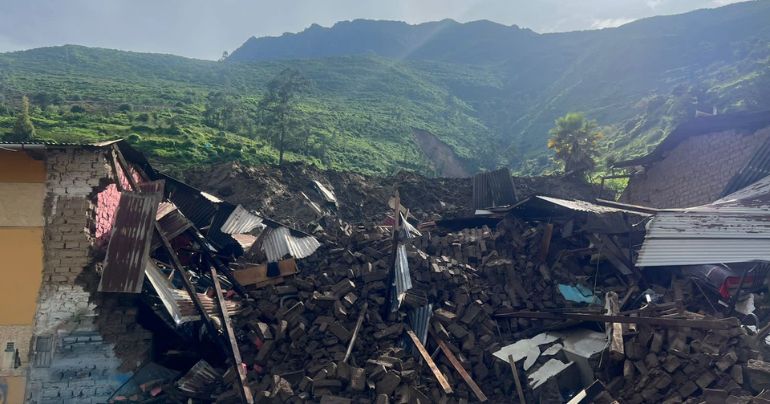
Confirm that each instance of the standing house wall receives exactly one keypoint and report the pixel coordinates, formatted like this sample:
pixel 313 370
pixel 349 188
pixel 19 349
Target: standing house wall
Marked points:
pixel 85 344
pixel 696 171
pixel 22 189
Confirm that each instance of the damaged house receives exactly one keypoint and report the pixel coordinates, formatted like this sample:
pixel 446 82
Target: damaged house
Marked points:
pixel 125 284
pixel 701 161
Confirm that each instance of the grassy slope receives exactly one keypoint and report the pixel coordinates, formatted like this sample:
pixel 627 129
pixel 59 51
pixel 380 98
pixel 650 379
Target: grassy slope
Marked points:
pixel 367 105
pixel 639 81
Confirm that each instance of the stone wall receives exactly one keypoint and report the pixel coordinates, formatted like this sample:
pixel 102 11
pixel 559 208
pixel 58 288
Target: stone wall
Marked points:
pixel 85 344
pixel 695 172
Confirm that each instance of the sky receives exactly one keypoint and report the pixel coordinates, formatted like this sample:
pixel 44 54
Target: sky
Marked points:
pixel 205 28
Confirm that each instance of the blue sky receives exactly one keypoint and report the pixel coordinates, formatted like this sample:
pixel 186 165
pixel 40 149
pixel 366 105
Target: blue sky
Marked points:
pixel 205 28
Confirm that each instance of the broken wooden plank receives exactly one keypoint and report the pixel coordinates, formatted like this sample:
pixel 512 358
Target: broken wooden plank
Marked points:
pixel 359 321
pixel 235 353
pixel 431 364
pixel 722 324
pixel 463 373
pixel 516 379
pixel 545 245
pixel 614 330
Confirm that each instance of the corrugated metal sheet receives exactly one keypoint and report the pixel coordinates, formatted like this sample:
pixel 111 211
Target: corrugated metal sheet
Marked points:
pixel 733 229
pixel 219 239
pixel 402 279
pixel 241 221
pixel 164 289
pixel 420 321
pixel 279 242
pixel 494 188
pixel 172 223
pixel 191 202
pixel 200 379
pixel 178 303
pixel 666 252
pixel 128 249
pixel 583 206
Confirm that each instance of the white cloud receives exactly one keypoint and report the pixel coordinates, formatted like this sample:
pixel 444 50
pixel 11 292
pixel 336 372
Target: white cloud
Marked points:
pixel 610 22
pixel 720 3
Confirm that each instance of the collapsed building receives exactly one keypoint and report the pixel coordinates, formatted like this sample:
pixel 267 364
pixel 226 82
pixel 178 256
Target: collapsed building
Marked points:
pixel 125 284
pixel 700 161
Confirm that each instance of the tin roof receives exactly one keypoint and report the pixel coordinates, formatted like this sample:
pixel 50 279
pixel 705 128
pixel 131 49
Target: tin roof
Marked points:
pixel 733 229
pixel 240 221
pixel 280 241
pixel 128 249
pixel 493 188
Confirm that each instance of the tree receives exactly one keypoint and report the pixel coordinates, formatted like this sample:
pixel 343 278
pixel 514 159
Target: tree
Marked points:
pixel 279 108
pixel 23 130
pixel 574 140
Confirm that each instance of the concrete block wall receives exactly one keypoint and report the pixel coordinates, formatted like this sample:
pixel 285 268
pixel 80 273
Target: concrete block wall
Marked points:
pixel 695 172
pixel 91 340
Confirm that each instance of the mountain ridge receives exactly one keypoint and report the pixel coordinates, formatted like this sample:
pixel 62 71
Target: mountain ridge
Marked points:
pixel 490 107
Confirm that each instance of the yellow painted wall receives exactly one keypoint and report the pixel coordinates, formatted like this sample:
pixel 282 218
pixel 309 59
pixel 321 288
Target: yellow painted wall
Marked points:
pixel 21 204
pixel 21 270
pixel 22 192
pixel 18 166
pixel 15 387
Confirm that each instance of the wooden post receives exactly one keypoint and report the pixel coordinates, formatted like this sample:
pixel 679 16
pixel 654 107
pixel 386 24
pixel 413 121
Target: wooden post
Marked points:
pixel 516 380
pixel 235 353
pixel 463 373
pixel 360 321
pixel 431 364
pixel 614 330
pixel 545 245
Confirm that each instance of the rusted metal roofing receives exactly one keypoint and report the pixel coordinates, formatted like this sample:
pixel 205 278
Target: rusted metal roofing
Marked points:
pixel 128 249
pixel 198 208
pixel 241 221
pixel 492 189
pixel 172 223
pixel 281 241
pixel 733 229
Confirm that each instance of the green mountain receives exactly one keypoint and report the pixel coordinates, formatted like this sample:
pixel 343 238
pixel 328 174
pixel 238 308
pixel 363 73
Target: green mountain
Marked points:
pixel 389 95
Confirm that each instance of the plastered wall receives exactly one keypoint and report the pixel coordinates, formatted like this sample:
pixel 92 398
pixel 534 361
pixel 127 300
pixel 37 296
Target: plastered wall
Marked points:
pixel 22 191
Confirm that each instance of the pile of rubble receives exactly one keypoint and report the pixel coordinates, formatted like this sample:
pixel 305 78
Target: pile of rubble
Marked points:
pixel 534 299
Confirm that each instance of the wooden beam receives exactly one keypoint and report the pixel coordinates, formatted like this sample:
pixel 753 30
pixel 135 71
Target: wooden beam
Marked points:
pixel 359 321
pixel 432 365
pixel 461 370
pixel 723 324
pixel 614 330
pixel 235 353
pixel 545 244
pixel 394 251
pixel 516 380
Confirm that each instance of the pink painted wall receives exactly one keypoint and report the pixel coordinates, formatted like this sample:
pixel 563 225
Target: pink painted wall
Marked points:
pixel 106 204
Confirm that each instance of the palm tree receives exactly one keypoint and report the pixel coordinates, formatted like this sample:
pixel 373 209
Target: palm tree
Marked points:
pixel 574 141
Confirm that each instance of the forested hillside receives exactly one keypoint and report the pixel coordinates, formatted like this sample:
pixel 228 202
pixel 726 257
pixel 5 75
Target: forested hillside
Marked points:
pixel 488 91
